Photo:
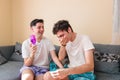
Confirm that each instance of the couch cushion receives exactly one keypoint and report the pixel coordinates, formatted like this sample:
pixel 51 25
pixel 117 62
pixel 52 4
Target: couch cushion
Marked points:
pixel 16 57
pixel 106 62
pixel 2 59
pixel 7 51
pixel 17 54
pixel 107 48
pixel 10 70
pixel 107 67
pixel 106 57
pixel 106 76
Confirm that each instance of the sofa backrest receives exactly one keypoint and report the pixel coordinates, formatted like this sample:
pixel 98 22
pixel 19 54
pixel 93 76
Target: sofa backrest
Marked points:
pixel 107 48
pixel 107 58
pixel 7 51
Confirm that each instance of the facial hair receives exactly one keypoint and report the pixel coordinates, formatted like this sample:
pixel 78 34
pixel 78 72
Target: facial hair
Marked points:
pixel 39 35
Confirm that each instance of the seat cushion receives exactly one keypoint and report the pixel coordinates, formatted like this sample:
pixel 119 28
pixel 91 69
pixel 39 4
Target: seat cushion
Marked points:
pixel 10 70
pixel 106 62
pixel 106 76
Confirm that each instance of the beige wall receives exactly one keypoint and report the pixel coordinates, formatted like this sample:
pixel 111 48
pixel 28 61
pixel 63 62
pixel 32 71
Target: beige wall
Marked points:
pixel 5 22
pixel 91 17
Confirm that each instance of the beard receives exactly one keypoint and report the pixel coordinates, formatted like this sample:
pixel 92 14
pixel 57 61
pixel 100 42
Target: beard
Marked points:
pixel 39 35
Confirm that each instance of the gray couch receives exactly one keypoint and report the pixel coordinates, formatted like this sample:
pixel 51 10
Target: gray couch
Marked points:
pixel 106 68
pixel 11 62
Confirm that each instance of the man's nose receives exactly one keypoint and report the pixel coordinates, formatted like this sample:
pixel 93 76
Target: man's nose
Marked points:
pixel 41 29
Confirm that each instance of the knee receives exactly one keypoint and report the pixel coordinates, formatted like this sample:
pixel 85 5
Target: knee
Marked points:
pixel 27 75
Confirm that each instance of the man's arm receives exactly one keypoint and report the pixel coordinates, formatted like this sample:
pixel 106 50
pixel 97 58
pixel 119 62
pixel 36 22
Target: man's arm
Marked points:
pixel 55 59
pixel 87 67
pixel 29 61
pixel 62 53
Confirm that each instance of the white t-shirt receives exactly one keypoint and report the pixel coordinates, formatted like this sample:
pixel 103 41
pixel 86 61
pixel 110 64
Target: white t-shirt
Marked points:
pixel 76 49
pixel 42 55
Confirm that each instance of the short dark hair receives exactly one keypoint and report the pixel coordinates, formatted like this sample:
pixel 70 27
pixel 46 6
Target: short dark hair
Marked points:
pixel 61 25
pixel 35 21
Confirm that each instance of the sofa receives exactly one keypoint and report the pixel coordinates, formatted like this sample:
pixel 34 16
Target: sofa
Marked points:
pixel 10 62
pixel 106 57
pixel 107 62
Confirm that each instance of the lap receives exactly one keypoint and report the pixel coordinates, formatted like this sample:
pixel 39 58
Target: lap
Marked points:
pixel 36 70
pixel 84 76
pixel 32 72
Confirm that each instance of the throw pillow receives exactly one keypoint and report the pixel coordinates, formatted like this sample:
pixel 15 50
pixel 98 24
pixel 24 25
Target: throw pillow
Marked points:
pixel 106 62
pixel 2 59
pixel 18 48
pixel 17 55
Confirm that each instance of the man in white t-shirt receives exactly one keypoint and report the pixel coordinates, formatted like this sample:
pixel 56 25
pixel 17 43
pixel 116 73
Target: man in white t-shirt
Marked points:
pixel 79 49
pixel 37 55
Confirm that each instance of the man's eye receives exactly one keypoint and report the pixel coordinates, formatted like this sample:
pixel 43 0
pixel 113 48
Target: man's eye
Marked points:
pixel 61 35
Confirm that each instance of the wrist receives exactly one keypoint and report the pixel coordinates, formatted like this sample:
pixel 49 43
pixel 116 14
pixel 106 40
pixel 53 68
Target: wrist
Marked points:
pixel 67 72
pixel 31 57
pixel 61 67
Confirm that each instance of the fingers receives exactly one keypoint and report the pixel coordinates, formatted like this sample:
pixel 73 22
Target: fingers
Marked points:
pixel 57 74
pixel 63 42
pixel 54 74
pixel 33 48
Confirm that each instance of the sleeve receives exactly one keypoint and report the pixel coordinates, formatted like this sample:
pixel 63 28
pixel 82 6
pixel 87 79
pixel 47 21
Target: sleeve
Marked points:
pixel 25 49
pixel 87 44
pixel 51 46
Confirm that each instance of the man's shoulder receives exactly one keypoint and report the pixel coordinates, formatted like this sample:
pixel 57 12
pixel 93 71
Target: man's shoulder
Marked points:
pixel 82 36
pixel 27 41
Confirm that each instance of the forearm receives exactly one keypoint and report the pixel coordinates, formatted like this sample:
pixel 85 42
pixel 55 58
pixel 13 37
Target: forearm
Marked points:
pixel 62 53
pixel 87 67
pixel 80 69
pixel 59 64
pixel 29 61
pixel 55 59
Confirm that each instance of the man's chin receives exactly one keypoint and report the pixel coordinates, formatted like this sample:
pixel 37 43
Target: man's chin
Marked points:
pixel 39 35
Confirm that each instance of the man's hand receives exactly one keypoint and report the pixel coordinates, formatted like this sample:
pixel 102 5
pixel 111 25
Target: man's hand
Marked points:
pixel 33 49
pixel 60 73
pixel 63 42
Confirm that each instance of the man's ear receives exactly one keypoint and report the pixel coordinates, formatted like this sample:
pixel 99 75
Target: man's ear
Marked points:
pixel 69 29
pixel 31 28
